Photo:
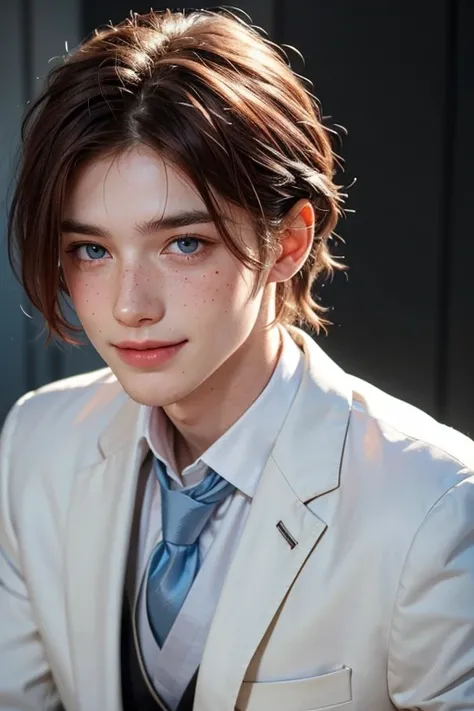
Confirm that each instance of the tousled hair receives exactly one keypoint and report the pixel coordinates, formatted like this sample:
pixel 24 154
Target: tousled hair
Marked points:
pixel 210 94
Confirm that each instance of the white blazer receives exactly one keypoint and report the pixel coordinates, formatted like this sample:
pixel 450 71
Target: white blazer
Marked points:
pixel 367 605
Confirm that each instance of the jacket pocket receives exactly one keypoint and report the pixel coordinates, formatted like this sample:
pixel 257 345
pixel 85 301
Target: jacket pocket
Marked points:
pixel 310 694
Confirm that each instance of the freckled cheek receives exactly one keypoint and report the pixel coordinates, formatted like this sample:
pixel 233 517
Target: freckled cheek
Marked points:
pixel 231 289
pixel 89 297
pixel 210 292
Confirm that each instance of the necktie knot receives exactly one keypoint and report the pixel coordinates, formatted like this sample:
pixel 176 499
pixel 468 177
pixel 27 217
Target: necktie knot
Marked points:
pixel 184 518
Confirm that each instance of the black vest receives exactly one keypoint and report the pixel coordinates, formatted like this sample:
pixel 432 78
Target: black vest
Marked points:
pixel 135 693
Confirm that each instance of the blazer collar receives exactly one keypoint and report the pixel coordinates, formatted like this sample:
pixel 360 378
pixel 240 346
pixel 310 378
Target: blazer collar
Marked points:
pixel 309 448
pixel 124 429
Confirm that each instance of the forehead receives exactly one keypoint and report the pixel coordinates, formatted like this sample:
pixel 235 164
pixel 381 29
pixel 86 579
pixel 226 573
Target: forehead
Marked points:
pixel 135 181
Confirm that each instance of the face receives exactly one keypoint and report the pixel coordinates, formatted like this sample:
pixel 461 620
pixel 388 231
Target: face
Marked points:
pixel 159 295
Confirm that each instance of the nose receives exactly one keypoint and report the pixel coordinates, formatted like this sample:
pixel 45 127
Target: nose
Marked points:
pixel 137 301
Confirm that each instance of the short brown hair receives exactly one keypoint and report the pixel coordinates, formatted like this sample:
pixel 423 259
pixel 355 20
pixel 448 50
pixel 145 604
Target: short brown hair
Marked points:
pixel 209 93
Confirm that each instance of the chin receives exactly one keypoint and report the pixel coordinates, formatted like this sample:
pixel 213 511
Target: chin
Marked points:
pixel 150 389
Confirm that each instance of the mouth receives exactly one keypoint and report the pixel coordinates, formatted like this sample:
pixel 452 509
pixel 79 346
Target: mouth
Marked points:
pixel 147 354
pixel 146 345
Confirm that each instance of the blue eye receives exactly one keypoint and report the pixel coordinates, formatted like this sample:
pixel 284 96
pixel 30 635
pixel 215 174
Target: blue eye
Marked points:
pixel 188 245
pixel 94 251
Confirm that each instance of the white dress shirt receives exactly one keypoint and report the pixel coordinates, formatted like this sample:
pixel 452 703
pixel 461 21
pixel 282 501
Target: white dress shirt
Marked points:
pixel 239 456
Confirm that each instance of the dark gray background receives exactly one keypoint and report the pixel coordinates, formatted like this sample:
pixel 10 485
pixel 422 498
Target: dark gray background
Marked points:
pixel 398 76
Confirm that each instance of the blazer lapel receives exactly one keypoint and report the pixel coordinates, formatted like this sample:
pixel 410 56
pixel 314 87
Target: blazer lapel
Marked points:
pixel 259 578
pixel 98 530
pixel 281 531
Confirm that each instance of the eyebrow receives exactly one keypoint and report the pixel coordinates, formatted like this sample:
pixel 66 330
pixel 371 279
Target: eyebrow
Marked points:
pixel 167 222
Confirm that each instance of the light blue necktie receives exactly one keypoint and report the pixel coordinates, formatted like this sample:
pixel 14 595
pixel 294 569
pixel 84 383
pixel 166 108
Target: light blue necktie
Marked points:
pixel 175 561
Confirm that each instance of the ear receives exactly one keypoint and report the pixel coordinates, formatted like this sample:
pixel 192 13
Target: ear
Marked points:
pixel 295 242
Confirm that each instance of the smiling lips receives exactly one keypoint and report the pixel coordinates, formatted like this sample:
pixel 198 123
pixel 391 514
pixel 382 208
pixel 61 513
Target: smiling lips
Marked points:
pixel 147 354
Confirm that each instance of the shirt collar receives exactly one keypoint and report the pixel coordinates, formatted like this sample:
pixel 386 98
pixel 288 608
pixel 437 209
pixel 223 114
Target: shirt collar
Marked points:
pixel 241 453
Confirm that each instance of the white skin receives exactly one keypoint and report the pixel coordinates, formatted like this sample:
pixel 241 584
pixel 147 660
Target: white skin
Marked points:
pixel 128 285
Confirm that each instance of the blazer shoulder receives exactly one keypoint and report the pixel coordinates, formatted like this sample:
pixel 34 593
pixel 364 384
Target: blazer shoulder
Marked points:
pixel 75 383
pixel 398 463
pixel 414 433
pixel 62 417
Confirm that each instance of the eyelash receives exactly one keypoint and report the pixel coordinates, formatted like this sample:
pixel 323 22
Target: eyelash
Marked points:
pixel 75 247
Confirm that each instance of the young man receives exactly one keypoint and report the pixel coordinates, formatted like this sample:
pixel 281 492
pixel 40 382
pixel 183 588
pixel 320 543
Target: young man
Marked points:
pixel 221 519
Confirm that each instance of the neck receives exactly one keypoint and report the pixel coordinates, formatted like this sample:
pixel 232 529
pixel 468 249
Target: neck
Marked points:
pixel 223 398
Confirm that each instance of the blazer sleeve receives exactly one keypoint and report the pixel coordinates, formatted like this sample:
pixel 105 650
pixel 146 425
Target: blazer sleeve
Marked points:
pixel 26 683
pixel 431 659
